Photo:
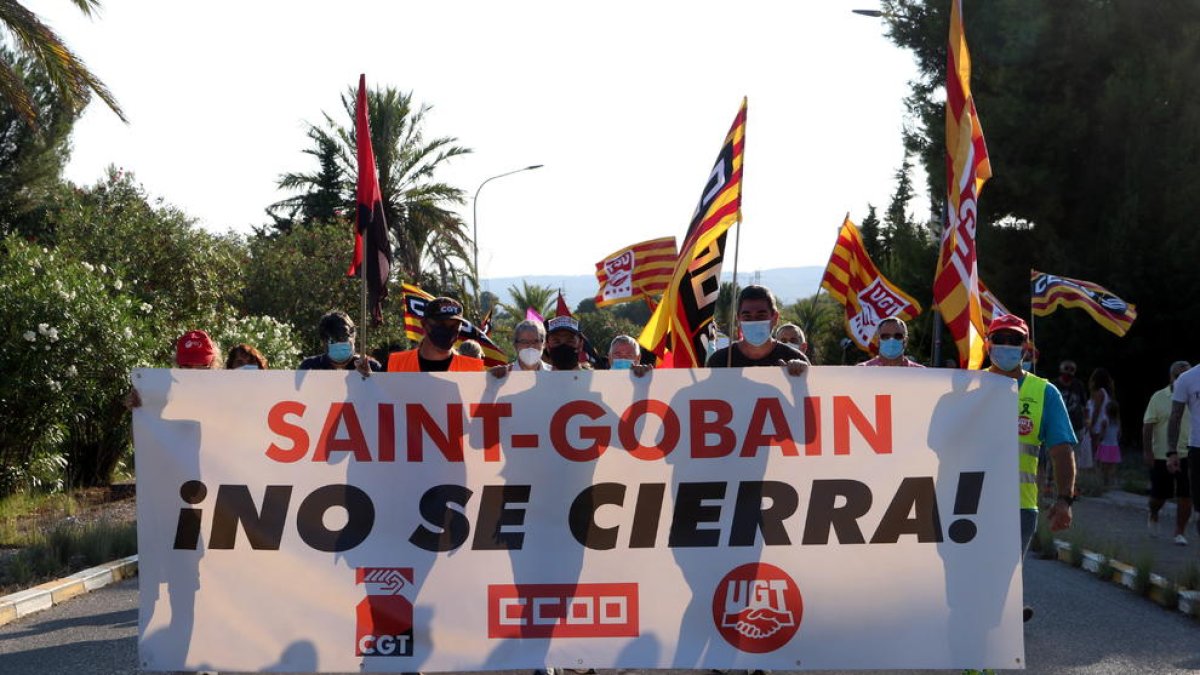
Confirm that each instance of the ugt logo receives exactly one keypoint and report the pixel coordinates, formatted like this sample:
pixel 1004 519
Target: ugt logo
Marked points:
pixel 757 608
pixel 385 616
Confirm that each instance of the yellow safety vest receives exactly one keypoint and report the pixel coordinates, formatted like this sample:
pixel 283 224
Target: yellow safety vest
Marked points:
pixel 1031 400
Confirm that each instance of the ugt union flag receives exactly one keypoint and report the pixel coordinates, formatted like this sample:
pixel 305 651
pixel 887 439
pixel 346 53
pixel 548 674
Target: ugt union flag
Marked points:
pixel 956 279
pixel 634 272
pixel 853 280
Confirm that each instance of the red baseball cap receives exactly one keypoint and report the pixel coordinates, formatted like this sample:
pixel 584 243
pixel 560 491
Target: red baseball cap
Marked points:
pixel 1008 322
pixel 194 348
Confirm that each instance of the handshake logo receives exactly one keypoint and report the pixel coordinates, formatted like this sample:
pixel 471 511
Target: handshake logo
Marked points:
pixel 384 624
pixel 757 608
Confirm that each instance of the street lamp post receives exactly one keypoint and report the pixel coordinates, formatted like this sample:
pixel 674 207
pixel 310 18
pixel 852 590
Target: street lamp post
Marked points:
pixel 475 227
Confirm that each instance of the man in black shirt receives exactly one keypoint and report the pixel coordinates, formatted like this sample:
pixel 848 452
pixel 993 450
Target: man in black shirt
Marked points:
pixel 757 316
pixel 337 332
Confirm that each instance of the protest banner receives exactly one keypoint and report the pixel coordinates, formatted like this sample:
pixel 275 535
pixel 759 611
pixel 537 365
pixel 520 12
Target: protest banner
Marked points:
pixel 740 518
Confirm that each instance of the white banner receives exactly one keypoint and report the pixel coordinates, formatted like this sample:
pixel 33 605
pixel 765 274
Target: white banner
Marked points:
pixel 730 518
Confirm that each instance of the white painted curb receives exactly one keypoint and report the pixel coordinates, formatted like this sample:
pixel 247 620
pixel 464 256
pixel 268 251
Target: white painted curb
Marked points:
pixel 51 593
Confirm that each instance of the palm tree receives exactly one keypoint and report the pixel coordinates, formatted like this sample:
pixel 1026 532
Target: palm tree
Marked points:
pixel 541 298
pixel 70 77
pixel 431 241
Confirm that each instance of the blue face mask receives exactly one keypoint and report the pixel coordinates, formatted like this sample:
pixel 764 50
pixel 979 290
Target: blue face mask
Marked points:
pixel 622 364
pixel 1006 357
pixel 340 351
pixel 756 332
pixel 891 348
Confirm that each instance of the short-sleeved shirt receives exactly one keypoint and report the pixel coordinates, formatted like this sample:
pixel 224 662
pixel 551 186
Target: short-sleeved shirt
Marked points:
pixel 323 362
pixel 1158 413
pixel 1056 426
pixel 1187 391
pixel 781 352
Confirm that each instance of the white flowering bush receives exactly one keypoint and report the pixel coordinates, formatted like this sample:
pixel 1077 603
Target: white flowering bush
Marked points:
pixel 68 339
pixel 274 339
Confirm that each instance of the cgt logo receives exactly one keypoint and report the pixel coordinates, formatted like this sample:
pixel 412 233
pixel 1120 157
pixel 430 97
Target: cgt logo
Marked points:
pixel 562 610
pixel 757 608
pixel 384 624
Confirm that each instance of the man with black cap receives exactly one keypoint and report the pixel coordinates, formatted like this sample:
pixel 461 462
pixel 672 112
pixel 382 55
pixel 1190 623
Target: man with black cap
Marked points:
pixel 1041 419
pixel 441 321
pixel 563 341
pixel 337 332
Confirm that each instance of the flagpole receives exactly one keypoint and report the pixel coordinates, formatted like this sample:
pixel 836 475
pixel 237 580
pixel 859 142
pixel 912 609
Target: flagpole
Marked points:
pixel 935 311
pixel 1032 340
pixel 362 269
pixel 736 239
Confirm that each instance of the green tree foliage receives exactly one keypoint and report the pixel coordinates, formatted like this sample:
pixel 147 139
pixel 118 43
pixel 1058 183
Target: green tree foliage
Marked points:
pixel 32 155
pixel 28 38
pixel 299 276
pixel 540 298
pixel 71 337
pixel 430 241
pixel 869 229
pixel 323 196
pixel 1091 112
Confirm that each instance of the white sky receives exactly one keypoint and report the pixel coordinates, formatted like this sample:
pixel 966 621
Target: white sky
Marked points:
pixel 626 104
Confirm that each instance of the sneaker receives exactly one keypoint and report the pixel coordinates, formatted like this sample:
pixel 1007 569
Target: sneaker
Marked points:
pixel 1027 613
pixel 1180 540
pixel 1152 527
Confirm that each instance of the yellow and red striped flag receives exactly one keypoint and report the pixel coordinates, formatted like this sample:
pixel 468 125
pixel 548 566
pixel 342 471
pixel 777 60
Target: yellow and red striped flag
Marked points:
pixel 414 310
pixel 990 305
pixel 1050 292
pixel 956 280
pixel 634 272
pixel 687 304
pixel 853 280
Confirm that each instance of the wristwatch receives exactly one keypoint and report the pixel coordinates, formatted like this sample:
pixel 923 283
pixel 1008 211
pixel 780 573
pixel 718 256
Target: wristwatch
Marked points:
pixel 1067 498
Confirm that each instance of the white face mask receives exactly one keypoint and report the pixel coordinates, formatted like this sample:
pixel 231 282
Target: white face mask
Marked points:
pixel 529 356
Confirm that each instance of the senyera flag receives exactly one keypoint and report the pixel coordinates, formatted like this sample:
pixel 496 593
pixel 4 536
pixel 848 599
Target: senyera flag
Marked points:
pixel 956 280
pixel 1049 292
pixel 687 304
pixel 414 310
pixel 636 272
pixel 370 222
pixel 853 280
pixel 990 305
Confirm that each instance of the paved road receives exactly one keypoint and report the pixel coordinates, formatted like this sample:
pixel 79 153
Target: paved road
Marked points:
pixel 1082 625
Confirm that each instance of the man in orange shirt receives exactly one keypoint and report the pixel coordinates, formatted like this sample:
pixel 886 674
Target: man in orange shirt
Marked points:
pixel 441 322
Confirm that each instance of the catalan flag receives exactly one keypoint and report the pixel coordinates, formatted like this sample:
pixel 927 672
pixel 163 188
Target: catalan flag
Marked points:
pixel 369 220
pixel 687 304
pixel 956 279
pixel 635 272
pixel 414 310
pixel 853 280
pixel 1050 292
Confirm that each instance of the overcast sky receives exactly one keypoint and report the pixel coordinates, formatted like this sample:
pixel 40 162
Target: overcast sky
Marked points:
pixel 625 103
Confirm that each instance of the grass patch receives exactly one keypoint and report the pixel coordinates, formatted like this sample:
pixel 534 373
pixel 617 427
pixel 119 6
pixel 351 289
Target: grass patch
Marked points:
pixel 1043 539
pixel 1141 577
pixel 67 548
pixel 17 510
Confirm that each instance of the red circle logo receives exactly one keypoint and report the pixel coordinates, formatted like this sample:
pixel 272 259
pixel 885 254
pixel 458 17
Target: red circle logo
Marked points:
pixel 757 608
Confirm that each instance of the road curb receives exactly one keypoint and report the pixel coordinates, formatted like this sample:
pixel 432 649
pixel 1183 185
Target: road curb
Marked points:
pixel 1159 590
pixel 44 596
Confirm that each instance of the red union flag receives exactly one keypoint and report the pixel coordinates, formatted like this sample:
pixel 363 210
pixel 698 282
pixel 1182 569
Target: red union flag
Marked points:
pixel 956 280
pixel 686 309
pixel 369 217
pixel 635 272
pixel 853 280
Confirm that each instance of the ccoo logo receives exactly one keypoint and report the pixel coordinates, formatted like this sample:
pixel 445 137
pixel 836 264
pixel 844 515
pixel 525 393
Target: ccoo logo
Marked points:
pixel 757 608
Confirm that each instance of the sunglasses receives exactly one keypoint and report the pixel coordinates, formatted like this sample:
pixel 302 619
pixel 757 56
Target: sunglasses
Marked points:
pixel 1067 371
pixel 891 336
pixel 1009 340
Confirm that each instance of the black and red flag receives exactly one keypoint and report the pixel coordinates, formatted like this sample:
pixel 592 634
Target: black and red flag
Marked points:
pixel 686 309
pixel 370 222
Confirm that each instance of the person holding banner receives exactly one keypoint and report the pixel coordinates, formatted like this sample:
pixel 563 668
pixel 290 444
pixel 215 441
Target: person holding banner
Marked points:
pixel 892 337
pixel 1041 419
pixel 441 322
pixel 757 317
pixel 529 339
pixel 337 331
pixel 624 353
